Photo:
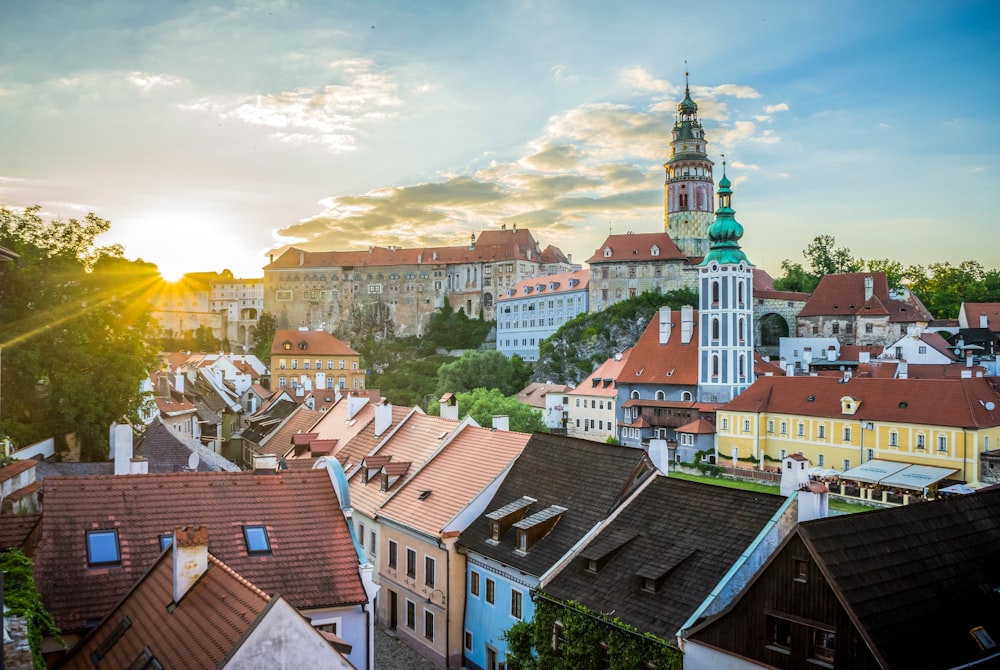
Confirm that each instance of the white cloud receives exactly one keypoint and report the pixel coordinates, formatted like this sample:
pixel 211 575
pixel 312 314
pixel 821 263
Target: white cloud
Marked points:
pixel 780 107
pixel 641 79
pixel 147 81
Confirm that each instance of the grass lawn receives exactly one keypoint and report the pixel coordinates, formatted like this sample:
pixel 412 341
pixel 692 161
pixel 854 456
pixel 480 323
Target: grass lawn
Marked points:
pixel 838 506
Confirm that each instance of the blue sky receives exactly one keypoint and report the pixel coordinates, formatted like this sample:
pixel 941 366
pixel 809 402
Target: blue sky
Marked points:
pixel 212 135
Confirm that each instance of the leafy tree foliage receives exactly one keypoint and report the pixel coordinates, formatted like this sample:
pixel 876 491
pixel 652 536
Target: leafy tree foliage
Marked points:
pixel 584 635
pixel 827 259
pixel 410 381
pixel 75 331
pixel 583 343
pixel 483 404
pixel 796 278
pixel 942 287
pixel 449 329
pixel 263 337
pixel 483 369
pixel 21 597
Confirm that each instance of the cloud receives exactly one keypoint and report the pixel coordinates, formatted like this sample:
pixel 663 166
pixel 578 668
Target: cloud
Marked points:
pixel 642 80
pixel 780 107
pixel 559 73
pixel 147 81
pixel 331 115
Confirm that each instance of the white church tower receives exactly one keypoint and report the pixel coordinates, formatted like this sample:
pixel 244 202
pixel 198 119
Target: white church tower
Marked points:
pixel 687 204
pixel 725 314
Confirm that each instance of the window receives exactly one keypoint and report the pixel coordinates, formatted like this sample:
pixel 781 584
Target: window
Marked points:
pixel 942 443
pixel 515 603
pixel 869 328
pixel 779 634
pixel 411 563
pixel 474 583
pixel 822 461
pixel 823 644
pixel 257 540
pixel 746 425
pixel 429 625
pixel 428 571
pixel 102 547
pixel 392 554
pixel 490 589
pixel 921 442
pixel 821 432
pixel 921 350
pixel 801 429
pixel 770 426
pixel 784 428
pixel 847 464
pixel 893 439
pixel 799 569
pixel 847 433
pixel 725 424
pixel 411 615
pixel 558 636
pixel 374 544
pixel 361 534
pixel 166 540
pixel 468 640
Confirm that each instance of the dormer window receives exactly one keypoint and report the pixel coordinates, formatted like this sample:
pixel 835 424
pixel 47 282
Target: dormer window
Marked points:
pixel 502 519
pixel 286 345
pixel 391 473
pixel 849 405
pixel 303 345
pixel 535 527
pixel 604 548
pixel 654 251
pixel 607 252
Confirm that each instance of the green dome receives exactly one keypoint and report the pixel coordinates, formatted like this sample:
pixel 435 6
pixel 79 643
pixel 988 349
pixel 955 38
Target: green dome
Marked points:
pixel 725 232
pixel 687 106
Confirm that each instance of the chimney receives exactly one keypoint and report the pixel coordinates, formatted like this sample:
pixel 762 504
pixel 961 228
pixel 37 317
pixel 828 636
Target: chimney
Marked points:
pixel 190 549
pixel 383 417
pixel 970 360
pixel 618 355
pixel 121 447
pixel 179 382
pixel 789 370
pixel 138 466
pixel 983 321
pixel 831 353
pixel 501 422
pixel 664 324
pixel 163 386
pixel 967 374
pixel 354 404
pixel 687 323
pixel 902 371
pixel 302 258
pixel 864 357
pixel 814 501
pixel 869 288
pixel 449 406
pixel 265 464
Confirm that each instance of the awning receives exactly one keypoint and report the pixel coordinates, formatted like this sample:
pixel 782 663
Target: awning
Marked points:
pixel 917 477
pixel 873 471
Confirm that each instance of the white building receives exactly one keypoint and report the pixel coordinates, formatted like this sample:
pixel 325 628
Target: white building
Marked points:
pixel 534 308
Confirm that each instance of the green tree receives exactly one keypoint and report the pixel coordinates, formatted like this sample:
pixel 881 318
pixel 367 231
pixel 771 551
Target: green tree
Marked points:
pixel 826 259
pixel 449 329
pixel 482 405
pixel 75 331
pixel 21 598
pixel 263 337
pixel 943 287
pixel 795 278
pixel 895 274
pixel 483 369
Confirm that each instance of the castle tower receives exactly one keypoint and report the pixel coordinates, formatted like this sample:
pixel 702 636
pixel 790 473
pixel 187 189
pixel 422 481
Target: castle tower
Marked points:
pixel 687 204
pixel 725 297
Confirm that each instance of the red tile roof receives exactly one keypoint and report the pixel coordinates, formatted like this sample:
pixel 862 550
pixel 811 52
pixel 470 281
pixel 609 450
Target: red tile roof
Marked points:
pixel 534 393
pixel 318 343
pixel 844 295
pixel 280 442
pixel 597 384
pixel 637 247
pixel 937 402
pixel 674 363
pixel 313 561
pixel 16 468
pixel 971 311
pixel 698 427
pixel 548 285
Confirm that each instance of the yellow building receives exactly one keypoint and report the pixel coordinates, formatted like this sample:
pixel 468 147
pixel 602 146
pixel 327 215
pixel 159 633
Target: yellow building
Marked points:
pixel 840 425
pixel 314 359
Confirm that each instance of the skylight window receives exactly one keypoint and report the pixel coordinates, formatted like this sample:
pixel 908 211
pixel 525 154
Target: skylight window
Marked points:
pixel 166 540
pixel 257 540
pixel 102 548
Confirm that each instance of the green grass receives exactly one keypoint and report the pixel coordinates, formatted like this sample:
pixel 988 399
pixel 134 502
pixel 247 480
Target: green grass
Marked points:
pixel 835 505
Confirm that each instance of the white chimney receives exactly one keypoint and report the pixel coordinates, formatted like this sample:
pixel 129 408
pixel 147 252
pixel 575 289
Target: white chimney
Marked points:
pixel 383 417
pixel 869 288
pixel 687 323
pixel 789 370
pixel 501 422
pixel 121 447
pixel 265 463
pixel 983 321
pixel 807 355
pixel 618 355
pixel 664 324
pixel 449 407
pixel 190 549
pixel 138 466
pixel 967 374
pixel 831 353
pixel 179 382
pixel 864 357
pixel 354 404
pixel 902 369
pixel 814 501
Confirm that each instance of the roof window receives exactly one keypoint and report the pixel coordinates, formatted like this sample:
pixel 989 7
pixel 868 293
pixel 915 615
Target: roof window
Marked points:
pixel 503 518
pixel 604 548
pixel 652 575
pixel 103 548
pixel 257 540
pixel 535 527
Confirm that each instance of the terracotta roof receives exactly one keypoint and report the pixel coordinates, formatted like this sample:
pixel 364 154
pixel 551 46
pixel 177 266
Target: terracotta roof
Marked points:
pixel 318 343
pixel 674 363
pixel 698 427
pixel 19 531
pixel 589 479
pixel 535 287
pixel 280 441
pixel 844 294
pixel 171 407
pixel 313 564
pixel 534 393
pixel 938 402
pixel 637 247
pixel 683 535
pixel 971 312
pixel 16 468
pixel 601 381
pixel 454 476
pixel 364 440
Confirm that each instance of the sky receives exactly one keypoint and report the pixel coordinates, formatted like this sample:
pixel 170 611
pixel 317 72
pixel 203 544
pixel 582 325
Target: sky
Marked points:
pixel 212 135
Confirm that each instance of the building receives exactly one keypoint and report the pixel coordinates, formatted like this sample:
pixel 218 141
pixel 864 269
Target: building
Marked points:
pixel 313 360
pixel 591 411
pixel 240 301
pixel 632 263
pixel 404 286
pixel 841 423
pixel 557 491
pixel 910 587
pixel 535 308
pixel 550 399
pixel 688 188
pixel 857 308
pixel 919 347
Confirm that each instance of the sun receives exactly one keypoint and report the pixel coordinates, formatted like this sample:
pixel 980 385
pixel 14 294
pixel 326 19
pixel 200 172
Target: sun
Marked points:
pixel 170 274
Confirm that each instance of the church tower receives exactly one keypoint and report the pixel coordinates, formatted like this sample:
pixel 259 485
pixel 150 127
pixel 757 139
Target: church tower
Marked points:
pixel 687 204
pixel 725 298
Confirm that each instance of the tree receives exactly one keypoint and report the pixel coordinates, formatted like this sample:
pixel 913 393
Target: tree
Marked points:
pixel 483 369
pixel 75 331
pixel 21 598
pixel 449 329
pixel 943 287
pixel 263 337
pixel 895 274
pixel 482 405
pixel 795 278
pixel 827 259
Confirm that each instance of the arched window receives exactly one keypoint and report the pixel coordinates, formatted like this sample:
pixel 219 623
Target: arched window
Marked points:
pixel 634 395
pixel 715 366
pixel 715 329
pixel 715 292
pixel 686 395
pixel 740 294
pixel 660 395
pixel 743 366
pixel 742 326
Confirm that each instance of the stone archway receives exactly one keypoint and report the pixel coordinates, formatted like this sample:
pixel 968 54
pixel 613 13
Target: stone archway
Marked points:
pixel 771 328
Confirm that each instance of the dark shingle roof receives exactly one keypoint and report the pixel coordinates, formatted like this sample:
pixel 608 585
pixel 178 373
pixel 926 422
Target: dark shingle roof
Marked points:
pixel 920 572
pixel 587 478
pixel 685 535
pixel 313 561
pixel 167 451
